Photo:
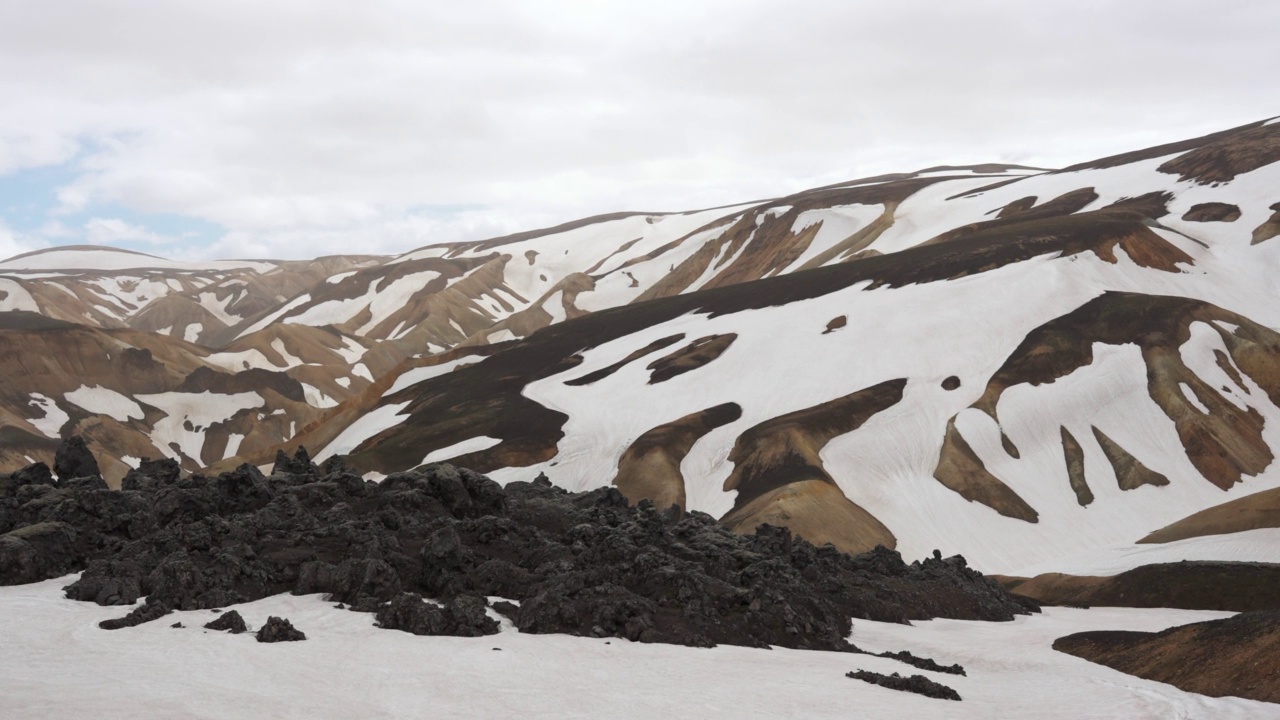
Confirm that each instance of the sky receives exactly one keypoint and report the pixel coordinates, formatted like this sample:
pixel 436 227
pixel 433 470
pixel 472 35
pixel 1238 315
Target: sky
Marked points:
pixel 291 129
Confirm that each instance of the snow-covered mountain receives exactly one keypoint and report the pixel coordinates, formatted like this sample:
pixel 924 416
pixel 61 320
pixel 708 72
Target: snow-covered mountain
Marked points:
pixel 1034 368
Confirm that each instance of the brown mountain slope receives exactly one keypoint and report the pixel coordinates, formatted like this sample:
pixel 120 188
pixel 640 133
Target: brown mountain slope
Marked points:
pixel 1237 656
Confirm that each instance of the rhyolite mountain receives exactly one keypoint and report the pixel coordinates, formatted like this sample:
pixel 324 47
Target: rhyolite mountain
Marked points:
pixel 1026 366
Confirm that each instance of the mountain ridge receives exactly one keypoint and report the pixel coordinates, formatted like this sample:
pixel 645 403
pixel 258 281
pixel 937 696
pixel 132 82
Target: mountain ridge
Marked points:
pixel 667 353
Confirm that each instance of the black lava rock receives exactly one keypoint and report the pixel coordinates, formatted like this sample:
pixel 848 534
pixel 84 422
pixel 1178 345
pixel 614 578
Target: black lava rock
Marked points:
pixel 299 464
pixel 73 460
pixel 151 610
pixel 35 552
pixel 278 630
pixel 464 616
pixel 229 621
pixel 579 563
pixel 917 684
pixel 923 663
pixel 35 474
pixel 152 474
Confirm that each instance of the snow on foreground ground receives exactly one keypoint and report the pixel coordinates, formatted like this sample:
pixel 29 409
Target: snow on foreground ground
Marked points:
pixel 57 663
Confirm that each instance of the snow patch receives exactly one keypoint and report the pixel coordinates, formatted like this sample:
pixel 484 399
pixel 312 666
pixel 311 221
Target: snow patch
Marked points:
pixel 369 424
pixel 15 297
pixel 290 360
pixel 105 401
pixel 471 445
pixel 316 398
pixel 344 670
pixel 1190 395
pixel 362 370
pixel 54 416
pixel 189 415
pixel 422 374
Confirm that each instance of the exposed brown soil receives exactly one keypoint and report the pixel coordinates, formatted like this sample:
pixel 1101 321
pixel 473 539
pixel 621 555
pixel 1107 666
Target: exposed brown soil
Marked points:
pixel 650 468
pixel 1234 586
pixel 1225 443
pixel 963 472
pixel 1222 159
pixel 1020 205
pixel 816 511
pixel 761 244
pixel 1065 204
pixel 835 324
pixel 535 317
pixel 855 246
pixel 1074 455
pixel 1252 512
pixel 605 372
pixel 1131 474
pixel 52 358
pixel 1212 212
pixel 321 431
pixel 1237 656
pixel 951 382
pixel 1268 229
pixel 1223 137
pixel 778 472
pixel 696 354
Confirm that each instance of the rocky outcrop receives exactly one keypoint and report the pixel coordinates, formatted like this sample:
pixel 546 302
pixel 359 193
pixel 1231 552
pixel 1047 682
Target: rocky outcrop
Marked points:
pixel 278 630
pixel 39 551
pixel 924 663
pixel 1212 212
pixel 229 621
pixel 464 616
pixel 74 460
pixel 151 610
pixel 917 684
pixel 579 563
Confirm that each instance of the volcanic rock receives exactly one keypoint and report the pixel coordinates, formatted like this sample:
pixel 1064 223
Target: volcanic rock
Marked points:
pixel 74 460
pixel 151 610
pixel 579 563
pixel 918 684
pixel 464 616
pixel 278 630
pixel 229 621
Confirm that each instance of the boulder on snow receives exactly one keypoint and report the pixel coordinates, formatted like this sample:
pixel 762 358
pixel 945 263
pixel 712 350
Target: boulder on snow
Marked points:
pixel 151 610
pixel 278 630
pixel 229 621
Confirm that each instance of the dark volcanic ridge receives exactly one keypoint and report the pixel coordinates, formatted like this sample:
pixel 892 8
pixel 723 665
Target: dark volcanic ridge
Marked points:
pixel 585 564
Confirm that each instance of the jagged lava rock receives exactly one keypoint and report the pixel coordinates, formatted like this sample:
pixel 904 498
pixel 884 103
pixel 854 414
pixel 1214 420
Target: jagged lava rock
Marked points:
pixel 229 621
pixel 580 563
pixel 278 630
pixel 73 460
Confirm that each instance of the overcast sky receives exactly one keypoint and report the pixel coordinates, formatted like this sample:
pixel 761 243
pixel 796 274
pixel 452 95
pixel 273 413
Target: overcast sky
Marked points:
pixel 292 129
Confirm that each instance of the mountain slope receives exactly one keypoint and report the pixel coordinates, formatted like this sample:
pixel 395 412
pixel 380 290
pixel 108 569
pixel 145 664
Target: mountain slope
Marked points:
pixel 1024 366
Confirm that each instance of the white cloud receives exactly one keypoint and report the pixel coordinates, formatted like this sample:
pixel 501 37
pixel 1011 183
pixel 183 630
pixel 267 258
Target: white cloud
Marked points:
pixel 114 231
pixel 12 244
pixel 298 123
